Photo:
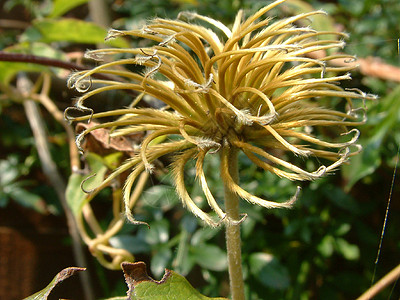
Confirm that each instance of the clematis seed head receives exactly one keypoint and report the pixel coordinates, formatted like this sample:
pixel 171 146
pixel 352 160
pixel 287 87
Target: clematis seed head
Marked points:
pixel 256 87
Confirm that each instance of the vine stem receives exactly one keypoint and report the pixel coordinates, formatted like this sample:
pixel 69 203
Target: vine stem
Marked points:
pixel 233 240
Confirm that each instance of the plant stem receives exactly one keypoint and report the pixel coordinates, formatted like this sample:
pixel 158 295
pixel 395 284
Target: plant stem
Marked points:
pixel 233 241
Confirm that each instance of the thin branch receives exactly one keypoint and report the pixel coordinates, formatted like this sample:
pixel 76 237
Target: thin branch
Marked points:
pixel 50 169
pixel 47 61
pixel 13 24
pixel 51 62
pixel 44 99
pixel 99 13
pixel 40 60
pixel 381 284
pixel 369 66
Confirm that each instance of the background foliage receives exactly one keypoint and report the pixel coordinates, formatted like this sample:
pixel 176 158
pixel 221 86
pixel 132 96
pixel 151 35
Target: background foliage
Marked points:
pixel 324 248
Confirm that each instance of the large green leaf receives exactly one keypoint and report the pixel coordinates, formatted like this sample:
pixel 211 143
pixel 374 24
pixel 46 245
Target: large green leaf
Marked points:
pixel 60 7
pixel 171 287
pixel 69 30
pixel 64 274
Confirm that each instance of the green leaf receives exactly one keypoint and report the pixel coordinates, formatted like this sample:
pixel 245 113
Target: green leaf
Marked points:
pixel 269 271
pixel 209 257
pixel 64 274
pixel 171 287
pixel 60 7
pixel 70 30
pixel 74 194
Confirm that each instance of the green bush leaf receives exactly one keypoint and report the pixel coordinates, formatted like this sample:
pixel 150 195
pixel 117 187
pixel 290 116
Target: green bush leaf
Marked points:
pixel 326 246
pixel 160 260
pixel 134 244
pixel 8 171
pixel 203 234
pixel 171 287
pixel 269 271
pixel 60 7
pixel 349 251
pixel 160 196
pixel 209 257
pixel 158 233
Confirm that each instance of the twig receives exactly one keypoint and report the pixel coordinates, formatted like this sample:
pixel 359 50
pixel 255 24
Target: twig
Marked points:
pixel 51 62
pixel 44 99
pixel 47 61
pixel 40 60
pixel 99 13
pixel 370 66
pixel 14 24
pixel 381 284
pixel 375 67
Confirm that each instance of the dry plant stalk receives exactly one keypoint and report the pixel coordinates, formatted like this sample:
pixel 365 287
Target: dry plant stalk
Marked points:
pixel 256 90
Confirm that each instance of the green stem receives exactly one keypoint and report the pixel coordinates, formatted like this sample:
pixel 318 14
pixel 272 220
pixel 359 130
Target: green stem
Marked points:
pixel 233 241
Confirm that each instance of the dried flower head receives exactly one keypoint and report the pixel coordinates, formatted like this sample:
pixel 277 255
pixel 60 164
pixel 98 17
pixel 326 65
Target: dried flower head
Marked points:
pixel 257 90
